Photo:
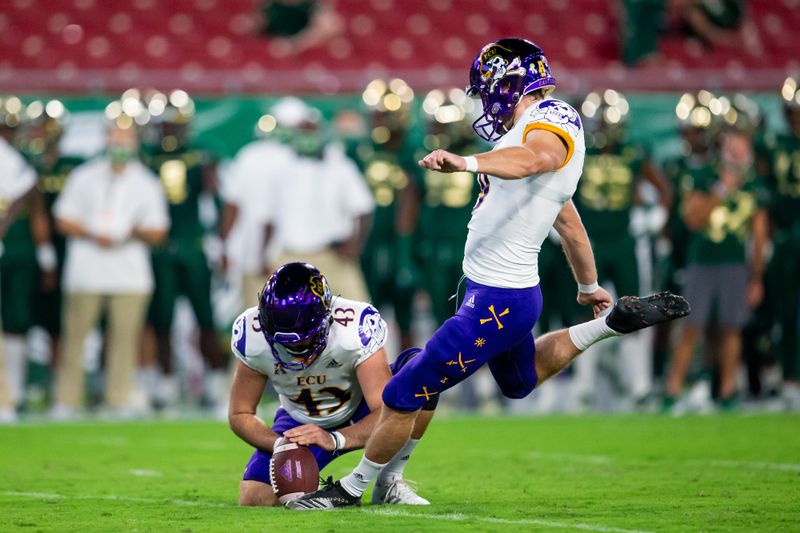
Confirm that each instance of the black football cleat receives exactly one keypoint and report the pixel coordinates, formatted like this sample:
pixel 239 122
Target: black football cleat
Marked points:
pixel 330 496
pixel 632 313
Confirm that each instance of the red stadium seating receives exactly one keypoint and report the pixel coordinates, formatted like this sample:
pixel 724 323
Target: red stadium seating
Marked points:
pixel 212 44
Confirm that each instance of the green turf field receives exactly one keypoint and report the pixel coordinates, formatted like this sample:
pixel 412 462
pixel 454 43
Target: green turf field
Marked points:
pixel 608 474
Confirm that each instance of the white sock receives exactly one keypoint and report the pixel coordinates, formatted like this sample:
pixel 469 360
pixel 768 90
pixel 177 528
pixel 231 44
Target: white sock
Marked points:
pixel 356 482
pixel 587 333
pixel 16 366
pixel 394 468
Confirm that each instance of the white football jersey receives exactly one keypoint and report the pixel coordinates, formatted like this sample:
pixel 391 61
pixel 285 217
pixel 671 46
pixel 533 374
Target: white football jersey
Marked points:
pixel 511 218
pixel 327 393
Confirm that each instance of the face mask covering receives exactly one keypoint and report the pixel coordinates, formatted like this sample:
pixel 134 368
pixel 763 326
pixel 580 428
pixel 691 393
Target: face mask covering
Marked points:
pixel 119 155
pixel 308 144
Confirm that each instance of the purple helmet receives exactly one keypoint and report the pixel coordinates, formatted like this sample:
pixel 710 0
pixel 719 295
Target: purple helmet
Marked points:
pixel 501 74
pixel 294 310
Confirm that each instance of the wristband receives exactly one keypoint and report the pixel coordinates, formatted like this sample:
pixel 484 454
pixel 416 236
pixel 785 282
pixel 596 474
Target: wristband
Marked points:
pixel 471 163
pixel 46 256
pixel 338 441
pixel 588 289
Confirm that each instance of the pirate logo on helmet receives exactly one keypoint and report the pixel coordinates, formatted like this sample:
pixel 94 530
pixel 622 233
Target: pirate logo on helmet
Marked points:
pixel 497 67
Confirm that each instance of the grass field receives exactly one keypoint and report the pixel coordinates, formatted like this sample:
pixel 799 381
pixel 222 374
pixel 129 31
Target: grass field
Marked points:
pixel 607 474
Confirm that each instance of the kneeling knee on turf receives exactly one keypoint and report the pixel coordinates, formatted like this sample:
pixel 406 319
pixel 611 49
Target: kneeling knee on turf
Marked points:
pixel 257 494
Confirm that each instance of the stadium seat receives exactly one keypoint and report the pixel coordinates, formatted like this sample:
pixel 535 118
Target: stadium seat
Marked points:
pixel 221 36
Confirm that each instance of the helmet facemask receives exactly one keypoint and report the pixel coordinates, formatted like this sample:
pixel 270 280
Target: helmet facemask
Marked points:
pixel 295 352
pixel 498 107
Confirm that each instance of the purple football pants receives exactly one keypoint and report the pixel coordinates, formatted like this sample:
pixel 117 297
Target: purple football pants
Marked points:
pixel 492 326
pixel 257 468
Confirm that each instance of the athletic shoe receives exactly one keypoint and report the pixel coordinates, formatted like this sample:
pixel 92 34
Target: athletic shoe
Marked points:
pixel 8 415
pixel 632 313
pixel 330 496
pixel 396 491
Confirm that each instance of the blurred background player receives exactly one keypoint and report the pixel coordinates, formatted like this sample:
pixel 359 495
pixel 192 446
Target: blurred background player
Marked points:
pixel 28 262
pixel 608 192
pixel 42 139
pixel 322 207
pixel 783 184
pixel 247 214
pixel 181 265
pixel 445 199
pixel 329 372
pixel 112 210
pixel 696 152
pixel 387 159
pixel 724 211
pixel 307 53
pixel 18 269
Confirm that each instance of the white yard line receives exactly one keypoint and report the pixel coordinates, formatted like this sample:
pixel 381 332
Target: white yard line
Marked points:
pixel 595 459
pixel 112 497
pixel 758 465
pixel 144 473
pixel 37 495
pixel 720 463
pixel 457 517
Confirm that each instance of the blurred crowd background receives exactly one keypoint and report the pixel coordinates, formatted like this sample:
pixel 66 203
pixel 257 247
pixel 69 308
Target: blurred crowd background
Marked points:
pixel 160 159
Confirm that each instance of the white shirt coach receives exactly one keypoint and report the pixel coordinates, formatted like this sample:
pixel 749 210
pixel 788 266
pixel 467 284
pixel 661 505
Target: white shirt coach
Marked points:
pixel 112 205
pixel 250 185
pixel 319 201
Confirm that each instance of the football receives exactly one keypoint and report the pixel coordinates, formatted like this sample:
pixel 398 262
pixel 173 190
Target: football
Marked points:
pixel 293 470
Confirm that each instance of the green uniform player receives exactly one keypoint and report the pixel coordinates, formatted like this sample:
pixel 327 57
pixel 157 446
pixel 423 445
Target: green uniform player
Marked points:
pixel 23 232
pixel 606 196
pixel 387 161
pixel 52 170
pixel 556 275
pixel 783 183
pixel 180 266
pixel 724 212
pixel 722 240
pixel 696 153
pixel 19 272
pixel 607 191
pixel 784 189
pixel 679 171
